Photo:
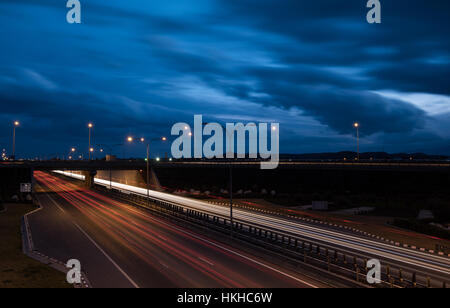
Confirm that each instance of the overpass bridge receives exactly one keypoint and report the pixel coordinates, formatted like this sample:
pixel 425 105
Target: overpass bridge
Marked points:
pixel 95 165
pixel 209 170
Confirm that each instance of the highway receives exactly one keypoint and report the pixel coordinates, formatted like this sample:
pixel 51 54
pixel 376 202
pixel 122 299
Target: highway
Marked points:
pixel 122 246
pixel 423 262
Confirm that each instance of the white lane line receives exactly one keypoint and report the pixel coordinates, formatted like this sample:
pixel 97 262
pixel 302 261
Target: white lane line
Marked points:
pixel 231 251
pixel 206 261
pixel 98 247
pixel 228 250
pixel 108 257
pixel 288 225
pixel 387 251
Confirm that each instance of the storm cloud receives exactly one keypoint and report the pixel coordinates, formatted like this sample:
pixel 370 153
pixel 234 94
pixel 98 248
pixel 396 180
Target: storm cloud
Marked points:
pixel 137 67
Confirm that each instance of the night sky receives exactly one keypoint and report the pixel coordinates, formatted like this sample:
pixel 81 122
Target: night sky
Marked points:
pixel 137 67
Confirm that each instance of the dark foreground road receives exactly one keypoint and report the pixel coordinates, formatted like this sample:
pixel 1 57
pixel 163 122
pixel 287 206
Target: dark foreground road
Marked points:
pixel 121 246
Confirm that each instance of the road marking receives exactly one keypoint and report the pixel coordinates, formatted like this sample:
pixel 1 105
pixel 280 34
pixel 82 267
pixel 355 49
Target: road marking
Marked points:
pixel 231 251
pixel 98 247
pixel 206 261
pixel 108 257
pixel 392 253
pixel 228 250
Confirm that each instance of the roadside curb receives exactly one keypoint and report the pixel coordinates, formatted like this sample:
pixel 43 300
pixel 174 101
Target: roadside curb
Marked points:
pixel 28 249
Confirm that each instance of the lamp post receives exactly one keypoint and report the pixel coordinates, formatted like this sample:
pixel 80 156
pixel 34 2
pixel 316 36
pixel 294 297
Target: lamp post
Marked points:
pixel 71 153
pixel 90 126
pixel 110 150
pixel 16 124
pixel 143 140
pixel 356 125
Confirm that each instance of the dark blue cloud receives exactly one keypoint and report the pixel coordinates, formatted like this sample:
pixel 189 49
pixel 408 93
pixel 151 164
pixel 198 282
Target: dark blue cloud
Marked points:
pixel 137 67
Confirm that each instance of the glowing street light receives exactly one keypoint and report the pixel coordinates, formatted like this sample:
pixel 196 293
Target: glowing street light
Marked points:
pixel 16 124
pixel 90 126
pixel 130 139
pixel 356 125
pixel 71 153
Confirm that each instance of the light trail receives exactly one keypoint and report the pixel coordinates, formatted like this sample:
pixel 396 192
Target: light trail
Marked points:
pixel 135 230
pixel 421 260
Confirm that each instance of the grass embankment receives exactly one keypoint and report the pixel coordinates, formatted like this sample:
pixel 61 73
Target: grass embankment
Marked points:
pixel 16 269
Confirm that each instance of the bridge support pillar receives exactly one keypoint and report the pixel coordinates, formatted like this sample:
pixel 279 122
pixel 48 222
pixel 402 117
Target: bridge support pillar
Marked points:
pixel 89 178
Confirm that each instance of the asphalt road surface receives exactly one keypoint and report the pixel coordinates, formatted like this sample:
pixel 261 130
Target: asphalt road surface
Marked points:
pixel 437 267
pixel 121 246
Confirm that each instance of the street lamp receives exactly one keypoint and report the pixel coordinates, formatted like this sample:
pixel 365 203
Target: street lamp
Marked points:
pixel 110 150
pixel 356 125
pixel 130 139
pixel 16 124
pixel 90 126
pixel 72 151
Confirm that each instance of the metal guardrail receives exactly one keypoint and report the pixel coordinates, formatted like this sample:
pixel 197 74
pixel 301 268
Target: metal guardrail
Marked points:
pixel 133 164
pixel 316 254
